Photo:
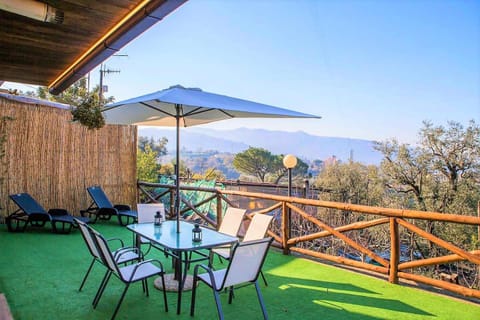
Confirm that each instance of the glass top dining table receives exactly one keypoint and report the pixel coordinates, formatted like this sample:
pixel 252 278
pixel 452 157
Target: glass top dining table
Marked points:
pixel 180 243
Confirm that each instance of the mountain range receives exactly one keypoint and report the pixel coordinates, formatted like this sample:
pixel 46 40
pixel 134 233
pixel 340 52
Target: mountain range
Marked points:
pixel 303 145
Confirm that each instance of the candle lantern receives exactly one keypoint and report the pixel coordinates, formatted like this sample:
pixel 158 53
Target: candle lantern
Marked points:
pixel 196 233
pixel 158 218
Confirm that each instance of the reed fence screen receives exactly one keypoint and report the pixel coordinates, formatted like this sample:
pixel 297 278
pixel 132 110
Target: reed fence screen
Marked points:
pixel 55 160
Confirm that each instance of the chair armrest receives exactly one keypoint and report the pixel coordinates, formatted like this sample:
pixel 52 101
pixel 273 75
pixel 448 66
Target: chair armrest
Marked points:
pixel 117 239
pixel 204 267
pixel 122 207
pixel 140 264
pixel 120 252
pixel 209 270
pixel 58 212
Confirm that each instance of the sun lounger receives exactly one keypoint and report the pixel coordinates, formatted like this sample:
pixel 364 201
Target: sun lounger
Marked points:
pixel 31 212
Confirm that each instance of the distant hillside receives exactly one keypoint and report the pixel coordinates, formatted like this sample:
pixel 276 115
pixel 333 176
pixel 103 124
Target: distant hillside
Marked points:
pixel 303 145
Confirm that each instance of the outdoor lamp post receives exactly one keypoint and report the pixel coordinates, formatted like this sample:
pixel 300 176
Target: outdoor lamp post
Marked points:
pixel 289 161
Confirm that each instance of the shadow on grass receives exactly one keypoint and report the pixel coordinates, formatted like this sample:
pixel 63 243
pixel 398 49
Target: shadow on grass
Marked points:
pixel 333 300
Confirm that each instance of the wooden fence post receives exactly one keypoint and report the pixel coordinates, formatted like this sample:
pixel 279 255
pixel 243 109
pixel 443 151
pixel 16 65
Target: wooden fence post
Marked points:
pixel 285 228
pixel 219 210
pixel 394 251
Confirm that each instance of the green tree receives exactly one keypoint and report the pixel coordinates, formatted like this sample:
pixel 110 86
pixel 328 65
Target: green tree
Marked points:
pixel 278 170
pixel 158 145
pixel 440 174
pixel 75 94
pixel 147 165
pixel 257 162
pixel 86 106
pixel 210 174
pixel 439 171
pixel 405 170
pixel 351 182
pixel 454 154
pixel 265 166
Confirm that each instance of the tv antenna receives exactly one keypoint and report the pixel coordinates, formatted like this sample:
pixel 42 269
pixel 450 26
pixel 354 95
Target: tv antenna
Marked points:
pixel 105 70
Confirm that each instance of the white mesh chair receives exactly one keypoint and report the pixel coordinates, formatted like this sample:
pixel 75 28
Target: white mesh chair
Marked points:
pixel 230 225
pixel 128 274
pixel 232 220
pixel 146 214
pixel 243 268
pixel 123 254
pixel 256 230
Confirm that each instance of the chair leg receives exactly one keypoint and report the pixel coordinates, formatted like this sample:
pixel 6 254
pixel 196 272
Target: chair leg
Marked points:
pixel 100 290
pixel 264 279
pixel 218 303
pixel 260 300
pixel 86 275
pixel 194 292
pixel 210 259
pixel 187 266
pixel 164 292
pixel 146 287
pixel 121 300
pixel 230 295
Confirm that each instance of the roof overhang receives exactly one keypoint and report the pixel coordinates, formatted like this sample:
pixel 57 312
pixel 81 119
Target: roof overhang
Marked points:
pixel 57 55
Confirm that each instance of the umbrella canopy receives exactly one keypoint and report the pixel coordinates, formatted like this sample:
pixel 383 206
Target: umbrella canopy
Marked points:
pixel 185 107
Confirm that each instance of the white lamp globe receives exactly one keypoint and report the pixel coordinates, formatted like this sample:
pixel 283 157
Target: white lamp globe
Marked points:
pixel 289 161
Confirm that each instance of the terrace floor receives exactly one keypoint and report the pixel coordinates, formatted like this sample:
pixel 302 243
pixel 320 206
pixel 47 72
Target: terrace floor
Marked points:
pixel 40 273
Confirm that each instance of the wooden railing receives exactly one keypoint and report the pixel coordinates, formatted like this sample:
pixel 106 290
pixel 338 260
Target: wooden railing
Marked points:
pixel 304 210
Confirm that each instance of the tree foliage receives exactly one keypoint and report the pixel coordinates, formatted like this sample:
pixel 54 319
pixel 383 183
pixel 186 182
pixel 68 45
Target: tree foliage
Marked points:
pixel 147 165
pixel 158 145
pixel 351 182
pixel 86 105
pixel 256 162
pixel 75 94
pixel 265 166
pixel 440 174
pixel 209 174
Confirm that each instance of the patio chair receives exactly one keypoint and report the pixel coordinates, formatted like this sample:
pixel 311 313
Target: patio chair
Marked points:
pixel 31 212
pixel 232 220
pixel 256 230
pixel 146 214
pixel 128 274
pixel 243 269
pixel 122 254
pixel 103 208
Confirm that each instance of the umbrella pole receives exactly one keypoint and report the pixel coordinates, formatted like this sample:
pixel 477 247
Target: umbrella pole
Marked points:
pixel 177 169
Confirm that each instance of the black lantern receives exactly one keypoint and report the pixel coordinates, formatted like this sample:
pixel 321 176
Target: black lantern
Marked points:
pixel 158 218
pixel 196 233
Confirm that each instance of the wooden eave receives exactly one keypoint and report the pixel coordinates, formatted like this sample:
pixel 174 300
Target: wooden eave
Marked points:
pixel 56 55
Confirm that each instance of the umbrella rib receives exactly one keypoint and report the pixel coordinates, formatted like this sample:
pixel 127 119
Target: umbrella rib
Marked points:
pixel 203 110
pixel 157 109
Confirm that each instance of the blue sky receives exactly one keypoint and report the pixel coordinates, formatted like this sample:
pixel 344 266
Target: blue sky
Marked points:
pixel 372 69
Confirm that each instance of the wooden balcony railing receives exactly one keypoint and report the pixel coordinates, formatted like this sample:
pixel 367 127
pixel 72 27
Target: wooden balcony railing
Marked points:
pixel 304 211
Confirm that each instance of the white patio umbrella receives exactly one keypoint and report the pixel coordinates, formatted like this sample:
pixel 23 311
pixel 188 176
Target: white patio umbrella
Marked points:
pixel 185 107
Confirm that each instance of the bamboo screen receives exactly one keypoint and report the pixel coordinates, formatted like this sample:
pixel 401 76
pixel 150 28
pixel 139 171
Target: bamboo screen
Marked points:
pixel 55 160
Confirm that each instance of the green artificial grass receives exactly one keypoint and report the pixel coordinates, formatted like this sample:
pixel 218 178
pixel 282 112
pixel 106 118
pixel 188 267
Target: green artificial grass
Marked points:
pixel 40 273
